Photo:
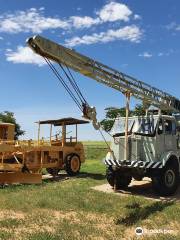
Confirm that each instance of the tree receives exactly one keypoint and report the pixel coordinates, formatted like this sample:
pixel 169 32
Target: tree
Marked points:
pixel 8 117
pixel 138 110
pixel 112 113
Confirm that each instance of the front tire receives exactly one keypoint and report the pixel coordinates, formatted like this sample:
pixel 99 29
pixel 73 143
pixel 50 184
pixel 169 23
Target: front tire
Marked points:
pixel 117 179
pixel 110 176
pixel 122 181
pixel 167 181
pixel 73 164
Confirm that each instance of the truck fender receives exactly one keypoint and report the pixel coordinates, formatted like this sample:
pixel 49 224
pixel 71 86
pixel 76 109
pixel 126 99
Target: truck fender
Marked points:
pixel 166 156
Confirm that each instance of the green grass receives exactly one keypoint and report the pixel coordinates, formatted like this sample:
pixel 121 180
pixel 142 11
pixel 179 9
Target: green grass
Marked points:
pixel 70 209
pixel 94 143
pixel 95 150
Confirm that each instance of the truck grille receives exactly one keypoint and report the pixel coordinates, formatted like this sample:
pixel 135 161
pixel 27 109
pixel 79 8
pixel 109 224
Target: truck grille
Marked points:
pixel 133 148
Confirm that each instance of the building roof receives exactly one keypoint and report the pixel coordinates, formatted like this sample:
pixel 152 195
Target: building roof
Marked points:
pixel 65 121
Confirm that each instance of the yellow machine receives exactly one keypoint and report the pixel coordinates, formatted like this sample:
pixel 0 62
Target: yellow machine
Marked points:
pixel 22 161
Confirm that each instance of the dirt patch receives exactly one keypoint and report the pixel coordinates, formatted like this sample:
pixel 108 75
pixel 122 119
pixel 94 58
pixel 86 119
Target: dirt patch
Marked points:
pixel 70 216
pixel 175 226
pixel 96 220
pixel 138 188
pixel 130 232
pixel 11 214
pixel 100 220
pixel 103 224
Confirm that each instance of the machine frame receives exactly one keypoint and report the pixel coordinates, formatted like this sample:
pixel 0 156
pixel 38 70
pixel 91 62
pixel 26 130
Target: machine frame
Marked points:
pixel 23 160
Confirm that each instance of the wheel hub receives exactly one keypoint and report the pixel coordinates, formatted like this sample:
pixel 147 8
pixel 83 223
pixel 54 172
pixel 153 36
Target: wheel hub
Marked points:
pixel 75 164
pixel 169 178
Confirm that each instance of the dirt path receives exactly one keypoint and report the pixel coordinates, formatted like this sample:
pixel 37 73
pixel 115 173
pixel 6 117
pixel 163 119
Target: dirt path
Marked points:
pixel 138 188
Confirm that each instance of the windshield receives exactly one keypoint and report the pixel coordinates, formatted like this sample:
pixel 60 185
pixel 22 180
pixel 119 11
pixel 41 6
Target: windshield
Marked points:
pixel 138 125
pixel 119 126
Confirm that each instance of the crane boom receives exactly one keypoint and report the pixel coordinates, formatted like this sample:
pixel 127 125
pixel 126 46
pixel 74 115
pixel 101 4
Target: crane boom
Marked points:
pixel 104 74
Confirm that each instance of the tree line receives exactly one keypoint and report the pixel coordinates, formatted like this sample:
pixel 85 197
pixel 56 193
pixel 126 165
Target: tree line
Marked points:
pixel 110 114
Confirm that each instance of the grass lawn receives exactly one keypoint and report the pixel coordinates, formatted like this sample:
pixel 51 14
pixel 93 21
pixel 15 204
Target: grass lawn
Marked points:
pixel 70 209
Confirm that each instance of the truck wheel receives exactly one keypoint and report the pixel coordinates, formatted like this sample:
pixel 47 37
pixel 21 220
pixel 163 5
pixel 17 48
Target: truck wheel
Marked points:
pixel 122 181
pixel 110 176
pixel 117 178
pixel 166 183
pixel 53 171
pixel 73 164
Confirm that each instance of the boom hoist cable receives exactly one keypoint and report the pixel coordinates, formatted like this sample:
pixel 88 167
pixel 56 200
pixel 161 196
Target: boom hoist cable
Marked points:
pixel 65 85
pixel 79 99
pixel 73 83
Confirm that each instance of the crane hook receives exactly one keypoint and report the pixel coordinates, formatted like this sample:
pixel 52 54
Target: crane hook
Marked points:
pixel 90 114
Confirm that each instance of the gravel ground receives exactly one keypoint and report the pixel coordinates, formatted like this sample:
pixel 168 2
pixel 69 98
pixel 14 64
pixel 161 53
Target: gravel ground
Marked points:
pixel 138 188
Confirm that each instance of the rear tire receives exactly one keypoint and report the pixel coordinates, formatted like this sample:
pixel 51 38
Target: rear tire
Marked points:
pixel 167 181
pixel 73 164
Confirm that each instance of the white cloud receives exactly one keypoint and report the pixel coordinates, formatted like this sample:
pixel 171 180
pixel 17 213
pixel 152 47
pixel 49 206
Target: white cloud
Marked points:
pixel 110 12
pixel 173 26
pixel 114 11
pixel 82 22
pixel 178 28
pixel 130 33
pixel 145 55
pixel 137 17
pixel 34 20
pixel 24 55
pixel 42 8
pixel 167 53
pixel 1 38
pixel 31 20
pixel 159 54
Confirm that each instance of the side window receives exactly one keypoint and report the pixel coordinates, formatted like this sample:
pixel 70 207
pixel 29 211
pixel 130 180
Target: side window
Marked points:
pixel 170 127
pixel 160 127
pixel 173 128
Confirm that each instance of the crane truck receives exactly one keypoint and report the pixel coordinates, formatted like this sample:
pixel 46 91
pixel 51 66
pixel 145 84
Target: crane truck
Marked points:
pixel 141 145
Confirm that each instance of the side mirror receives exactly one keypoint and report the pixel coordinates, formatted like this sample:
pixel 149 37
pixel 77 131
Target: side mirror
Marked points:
pixel 160 129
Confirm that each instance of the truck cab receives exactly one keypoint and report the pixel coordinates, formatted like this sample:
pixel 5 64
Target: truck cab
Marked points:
pixel 153 146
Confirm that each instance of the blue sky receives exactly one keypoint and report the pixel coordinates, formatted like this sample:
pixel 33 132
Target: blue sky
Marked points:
pixel 138 37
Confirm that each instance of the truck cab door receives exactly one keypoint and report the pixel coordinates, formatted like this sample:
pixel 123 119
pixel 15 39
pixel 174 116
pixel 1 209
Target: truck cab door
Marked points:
pixel 159 138
pixel 170 139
